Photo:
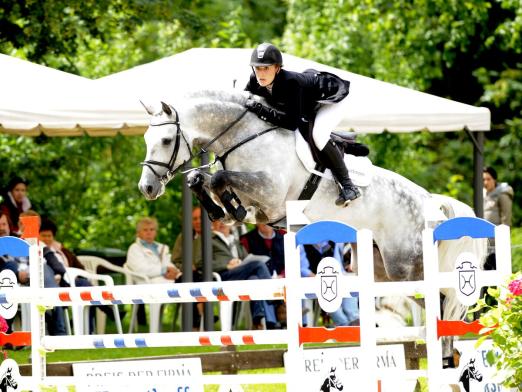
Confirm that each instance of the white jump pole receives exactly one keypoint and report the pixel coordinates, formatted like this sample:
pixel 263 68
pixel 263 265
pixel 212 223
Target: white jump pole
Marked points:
pixel 367 310
pixel 37 317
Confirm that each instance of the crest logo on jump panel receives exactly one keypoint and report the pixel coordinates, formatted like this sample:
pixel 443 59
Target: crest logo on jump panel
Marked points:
pixel 328 284
pixel 8 282
pixel 467 279
pixel 467 270
pixel 329 290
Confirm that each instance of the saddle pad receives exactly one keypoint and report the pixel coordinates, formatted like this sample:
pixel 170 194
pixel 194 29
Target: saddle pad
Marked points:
pixel 360 169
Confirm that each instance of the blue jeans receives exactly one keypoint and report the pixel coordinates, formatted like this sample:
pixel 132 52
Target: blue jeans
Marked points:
pixel 55 318
pixel 250 271
pixel 347 313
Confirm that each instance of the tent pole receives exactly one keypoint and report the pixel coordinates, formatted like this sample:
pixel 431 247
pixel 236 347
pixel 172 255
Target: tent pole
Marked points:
pixel 478 165
pixel 206 252
pixel 186 253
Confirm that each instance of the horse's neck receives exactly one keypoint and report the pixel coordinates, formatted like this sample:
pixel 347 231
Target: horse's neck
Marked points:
pixel 208 114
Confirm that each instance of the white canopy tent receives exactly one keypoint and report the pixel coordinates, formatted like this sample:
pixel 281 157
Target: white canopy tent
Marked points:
pixel 37 99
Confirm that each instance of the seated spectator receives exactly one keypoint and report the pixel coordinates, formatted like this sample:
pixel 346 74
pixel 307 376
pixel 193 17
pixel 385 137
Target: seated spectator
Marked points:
pixel 227 262
pixel 197 261
pixel 55 318
pixel 264 240
pixel 311 255
pixel 6 261
pixel 15 201
pixel 69 260
pixel 150 258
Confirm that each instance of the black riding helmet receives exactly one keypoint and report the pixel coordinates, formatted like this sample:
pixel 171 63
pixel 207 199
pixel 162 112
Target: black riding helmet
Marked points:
pixel 266 54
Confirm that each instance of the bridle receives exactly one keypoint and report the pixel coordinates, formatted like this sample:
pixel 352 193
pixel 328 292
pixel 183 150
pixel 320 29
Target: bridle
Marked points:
pixel 179 134
pixel 170 165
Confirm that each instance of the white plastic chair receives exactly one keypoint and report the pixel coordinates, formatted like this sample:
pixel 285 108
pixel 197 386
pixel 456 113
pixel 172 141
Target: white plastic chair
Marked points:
pixel 81 312
pixel 226 311
pixel 154 309
pixel 92 263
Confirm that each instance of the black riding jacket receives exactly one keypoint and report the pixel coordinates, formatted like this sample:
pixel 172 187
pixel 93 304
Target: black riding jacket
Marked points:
pixel 295 97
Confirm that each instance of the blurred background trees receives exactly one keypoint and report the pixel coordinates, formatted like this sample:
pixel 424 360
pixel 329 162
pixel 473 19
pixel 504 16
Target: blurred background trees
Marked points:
pixel 466 51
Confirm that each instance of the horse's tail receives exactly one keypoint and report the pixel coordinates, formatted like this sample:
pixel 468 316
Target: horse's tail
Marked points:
pixel 449 250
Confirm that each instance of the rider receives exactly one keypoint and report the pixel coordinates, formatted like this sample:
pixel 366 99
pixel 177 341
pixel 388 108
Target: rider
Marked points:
pixel 304 101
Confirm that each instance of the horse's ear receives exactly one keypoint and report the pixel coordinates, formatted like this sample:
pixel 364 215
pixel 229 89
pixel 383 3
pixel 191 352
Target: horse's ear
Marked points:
pixel 148 108
pixel 166 108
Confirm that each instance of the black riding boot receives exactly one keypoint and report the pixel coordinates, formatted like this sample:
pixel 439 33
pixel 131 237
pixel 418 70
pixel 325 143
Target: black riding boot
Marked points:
pixel 333 159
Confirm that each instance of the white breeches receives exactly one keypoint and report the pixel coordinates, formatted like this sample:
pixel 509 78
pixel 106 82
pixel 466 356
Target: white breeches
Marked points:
pixel 328 117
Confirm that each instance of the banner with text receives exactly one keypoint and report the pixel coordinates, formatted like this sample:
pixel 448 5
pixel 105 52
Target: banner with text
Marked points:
pixel 333 366
pixel 161 375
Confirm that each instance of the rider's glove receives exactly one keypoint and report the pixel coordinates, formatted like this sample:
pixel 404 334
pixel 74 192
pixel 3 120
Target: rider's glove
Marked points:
pixel 253 105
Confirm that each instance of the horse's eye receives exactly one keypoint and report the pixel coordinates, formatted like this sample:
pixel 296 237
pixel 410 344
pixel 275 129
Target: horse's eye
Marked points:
pixel 166 141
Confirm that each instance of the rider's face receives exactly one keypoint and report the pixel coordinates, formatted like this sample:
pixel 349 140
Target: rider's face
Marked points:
pixel 265 74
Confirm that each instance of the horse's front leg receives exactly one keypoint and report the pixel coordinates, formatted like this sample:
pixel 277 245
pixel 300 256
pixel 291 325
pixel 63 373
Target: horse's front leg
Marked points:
pixel 198 182
pixel 257 186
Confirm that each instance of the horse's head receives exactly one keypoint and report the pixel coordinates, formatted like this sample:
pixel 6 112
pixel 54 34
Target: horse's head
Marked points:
pixel 473 371
pixel 167 150
pixel 470 372
pixel 9 380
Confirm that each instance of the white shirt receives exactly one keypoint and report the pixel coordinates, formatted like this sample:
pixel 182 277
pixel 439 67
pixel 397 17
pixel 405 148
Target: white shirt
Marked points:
pixel 146 262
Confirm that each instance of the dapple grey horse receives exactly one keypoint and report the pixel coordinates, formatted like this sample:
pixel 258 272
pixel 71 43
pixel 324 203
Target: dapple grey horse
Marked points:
pixel 261 167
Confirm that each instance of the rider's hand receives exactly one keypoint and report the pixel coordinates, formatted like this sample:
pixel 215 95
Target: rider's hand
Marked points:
pixel 252 105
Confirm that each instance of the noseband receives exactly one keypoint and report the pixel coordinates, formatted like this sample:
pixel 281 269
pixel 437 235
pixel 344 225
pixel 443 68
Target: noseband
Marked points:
pixel 170 165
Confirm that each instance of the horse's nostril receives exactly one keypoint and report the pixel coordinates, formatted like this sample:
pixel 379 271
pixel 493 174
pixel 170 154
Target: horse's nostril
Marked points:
pixel 149 189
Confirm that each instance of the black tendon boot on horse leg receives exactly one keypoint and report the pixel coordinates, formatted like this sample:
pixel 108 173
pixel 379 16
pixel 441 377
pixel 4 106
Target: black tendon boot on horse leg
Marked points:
pixel 333 159
pixel 195 182
pixel 219 184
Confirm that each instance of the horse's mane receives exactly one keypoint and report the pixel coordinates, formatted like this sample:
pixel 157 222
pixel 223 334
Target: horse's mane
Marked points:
pixel 230 95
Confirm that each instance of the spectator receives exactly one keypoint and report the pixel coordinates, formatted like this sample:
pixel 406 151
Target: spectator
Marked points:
pixel 227 262
pixel 15 201
pixel 150 258
pixel 311 255
pixel 197 261
pixel 68 259
pixel 264 240
pixel 498 198
pixel 7 261
pixel 55 318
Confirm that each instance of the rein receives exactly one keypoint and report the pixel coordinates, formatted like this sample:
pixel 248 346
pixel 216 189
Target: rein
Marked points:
pixel 179 134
